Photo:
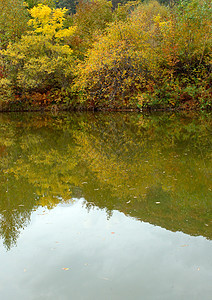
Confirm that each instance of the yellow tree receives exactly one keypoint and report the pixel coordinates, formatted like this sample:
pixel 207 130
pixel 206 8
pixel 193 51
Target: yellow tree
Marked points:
pixel 41 59
pixel 122 61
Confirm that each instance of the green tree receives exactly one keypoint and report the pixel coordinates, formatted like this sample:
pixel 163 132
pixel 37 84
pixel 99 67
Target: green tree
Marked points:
pixel 13 21
pixel 69 4
pixel 91 19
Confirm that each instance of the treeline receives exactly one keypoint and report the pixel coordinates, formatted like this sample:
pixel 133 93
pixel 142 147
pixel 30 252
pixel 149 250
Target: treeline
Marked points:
pixel 98 54
pixel 71 4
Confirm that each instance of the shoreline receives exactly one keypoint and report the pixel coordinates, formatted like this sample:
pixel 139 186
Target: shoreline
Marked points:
pixel 57 109
pixel 19 106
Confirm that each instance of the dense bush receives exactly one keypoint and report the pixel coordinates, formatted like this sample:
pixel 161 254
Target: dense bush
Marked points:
pixel 158 56
pixel 121 62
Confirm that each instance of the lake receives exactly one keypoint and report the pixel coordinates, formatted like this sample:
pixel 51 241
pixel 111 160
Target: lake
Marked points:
pixel 106 206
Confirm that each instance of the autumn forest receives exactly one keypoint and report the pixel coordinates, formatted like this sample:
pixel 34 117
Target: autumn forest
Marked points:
pixel 100 54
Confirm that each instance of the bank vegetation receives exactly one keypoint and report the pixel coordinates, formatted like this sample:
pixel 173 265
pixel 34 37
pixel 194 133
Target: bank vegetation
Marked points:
pixel 102 55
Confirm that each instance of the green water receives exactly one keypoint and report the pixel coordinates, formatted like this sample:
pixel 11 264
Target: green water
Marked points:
pixel 122 201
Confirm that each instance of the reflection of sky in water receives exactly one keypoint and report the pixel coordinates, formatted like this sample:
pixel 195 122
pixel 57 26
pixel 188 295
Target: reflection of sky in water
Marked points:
pixel 119 258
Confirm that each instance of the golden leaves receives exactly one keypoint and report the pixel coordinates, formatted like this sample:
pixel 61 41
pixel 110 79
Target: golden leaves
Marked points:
pixel 49 22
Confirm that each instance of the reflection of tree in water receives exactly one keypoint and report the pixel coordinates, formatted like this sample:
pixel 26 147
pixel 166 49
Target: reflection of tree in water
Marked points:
pixel 11 224
pixel 124 162
pixel 16 205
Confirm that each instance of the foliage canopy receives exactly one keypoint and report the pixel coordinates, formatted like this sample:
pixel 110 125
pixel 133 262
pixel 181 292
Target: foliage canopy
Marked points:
pixel 136 55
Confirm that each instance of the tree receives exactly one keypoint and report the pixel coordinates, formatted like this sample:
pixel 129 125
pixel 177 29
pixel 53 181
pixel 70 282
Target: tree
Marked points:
pixel 13 21
pixel 122 61
pixel 41 59
pixel 69 4
pixel 32 3
pixel 91 19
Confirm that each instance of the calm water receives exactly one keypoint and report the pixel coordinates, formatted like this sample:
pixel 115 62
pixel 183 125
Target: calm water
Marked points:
pixel 106 206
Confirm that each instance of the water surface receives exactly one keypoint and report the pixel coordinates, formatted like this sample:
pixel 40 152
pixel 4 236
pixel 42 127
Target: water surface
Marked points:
pixel 105 206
